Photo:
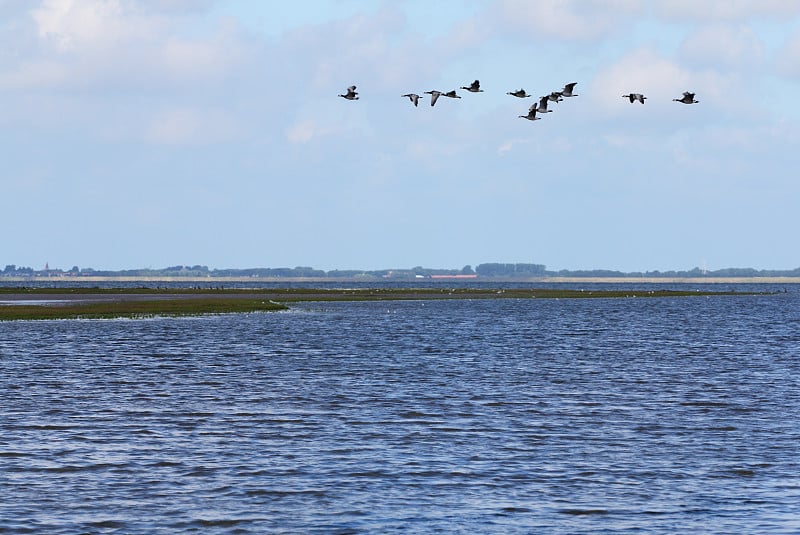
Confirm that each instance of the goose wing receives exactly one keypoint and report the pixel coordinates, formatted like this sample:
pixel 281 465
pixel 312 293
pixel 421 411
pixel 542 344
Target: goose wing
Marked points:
pixel 413 97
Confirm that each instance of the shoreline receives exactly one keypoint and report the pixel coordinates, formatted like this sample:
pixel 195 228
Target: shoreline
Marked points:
pixel 76 303
pixel 411 282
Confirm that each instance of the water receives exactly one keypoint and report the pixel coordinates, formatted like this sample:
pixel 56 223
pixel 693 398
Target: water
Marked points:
pixel 505 416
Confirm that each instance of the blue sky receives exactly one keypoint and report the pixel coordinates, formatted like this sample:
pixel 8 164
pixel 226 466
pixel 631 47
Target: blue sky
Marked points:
pixel 161 132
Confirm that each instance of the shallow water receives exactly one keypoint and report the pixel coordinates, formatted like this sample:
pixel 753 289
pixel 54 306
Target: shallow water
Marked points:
pixel 507 416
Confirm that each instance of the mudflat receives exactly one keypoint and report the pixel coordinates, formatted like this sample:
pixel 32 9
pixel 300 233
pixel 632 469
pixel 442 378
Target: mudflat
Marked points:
pixel 50 303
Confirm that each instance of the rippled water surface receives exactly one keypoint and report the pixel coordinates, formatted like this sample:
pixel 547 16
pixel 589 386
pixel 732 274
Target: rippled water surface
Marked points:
pixel 507 416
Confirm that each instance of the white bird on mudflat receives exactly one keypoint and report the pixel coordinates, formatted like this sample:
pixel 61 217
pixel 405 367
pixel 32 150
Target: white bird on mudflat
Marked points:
pixel 518 93
pixel 567 91
pixel 474 87
pixel 413 97
pixel 351 93
pixel 633 97
pixel 434 96
pixel 531 114
pixel 688 98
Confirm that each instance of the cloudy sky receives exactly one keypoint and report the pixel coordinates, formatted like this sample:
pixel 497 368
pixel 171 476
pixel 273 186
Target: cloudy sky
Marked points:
pixel 149 133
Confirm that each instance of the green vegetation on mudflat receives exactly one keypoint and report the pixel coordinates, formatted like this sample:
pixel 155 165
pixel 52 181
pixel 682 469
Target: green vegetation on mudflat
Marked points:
pixel 137 309
pixel 67 303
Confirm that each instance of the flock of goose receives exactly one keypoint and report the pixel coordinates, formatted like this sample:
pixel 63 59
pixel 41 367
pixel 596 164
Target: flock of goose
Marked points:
pixel 536 108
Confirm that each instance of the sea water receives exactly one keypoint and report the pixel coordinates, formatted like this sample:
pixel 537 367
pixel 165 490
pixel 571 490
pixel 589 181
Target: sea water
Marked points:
pixel 469 416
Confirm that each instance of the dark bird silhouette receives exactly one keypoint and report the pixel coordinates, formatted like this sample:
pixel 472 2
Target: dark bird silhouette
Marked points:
pixel 543 105
pixel 474 87
pixel 451 94
pixel 413 97
pixel 633 97
pixel 518 93
pixel 434 96
pixel 688 98
pixel 351 93
pixel 555 96
pixel 531 114
pixel 567 91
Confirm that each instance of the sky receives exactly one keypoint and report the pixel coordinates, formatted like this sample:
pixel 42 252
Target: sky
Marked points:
pixel 154 133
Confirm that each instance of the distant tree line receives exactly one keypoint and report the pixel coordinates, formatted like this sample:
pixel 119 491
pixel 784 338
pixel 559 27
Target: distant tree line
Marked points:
pixel 488 270
pixel 511 270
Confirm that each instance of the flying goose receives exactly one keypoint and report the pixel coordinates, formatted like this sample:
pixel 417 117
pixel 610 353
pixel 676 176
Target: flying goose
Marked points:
pixel 634 97
pixel 555 96
pixel 451 94
pixel 567 91
pixel 531 113
pixel 413 97
pixel 475 87
pixel 688 98
pixel 434 95
pixel 351 93
pixel 543 104
pixel 518 93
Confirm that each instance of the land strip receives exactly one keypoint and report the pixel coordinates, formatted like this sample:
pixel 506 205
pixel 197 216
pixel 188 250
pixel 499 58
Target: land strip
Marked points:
pixel 62 303
pixel 215 281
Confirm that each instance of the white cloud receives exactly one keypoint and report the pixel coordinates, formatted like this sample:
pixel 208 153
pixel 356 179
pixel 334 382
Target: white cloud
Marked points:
pixel 36 74
pixel 551 145
pixel 11 8
pixel 330 120
pixel 303 131
pixel 177 6
pixel 640 71
pixel 466 35
pixel 626 141
pixel 788 57
pixel 728 10
pixel 729 46
pixel 121 44
pixel 187 126
pixel 92 25
pixel 567 19
pixel 511 144
pixel 209 59
pixel 374 47
pixel 661 79
pixel 113 62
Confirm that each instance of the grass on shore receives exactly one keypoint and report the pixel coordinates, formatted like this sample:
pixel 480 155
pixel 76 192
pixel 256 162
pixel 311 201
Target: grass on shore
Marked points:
pixel 137 309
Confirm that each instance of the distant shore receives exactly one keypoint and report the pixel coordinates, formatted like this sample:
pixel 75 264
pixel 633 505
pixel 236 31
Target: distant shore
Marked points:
pixel 411 282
